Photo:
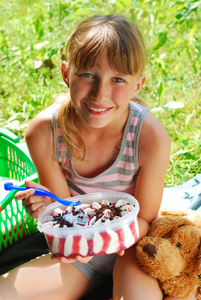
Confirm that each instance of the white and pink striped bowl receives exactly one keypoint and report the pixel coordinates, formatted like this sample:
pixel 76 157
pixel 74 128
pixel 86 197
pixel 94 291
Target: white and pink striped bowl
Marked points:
pixel 105 238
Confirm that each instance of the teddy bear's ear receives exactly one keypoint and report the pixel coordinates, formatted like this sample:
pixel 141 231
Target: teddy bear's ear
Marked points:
pixel 162 226
pixel 177 213
pixel 192 215
pixel 200 257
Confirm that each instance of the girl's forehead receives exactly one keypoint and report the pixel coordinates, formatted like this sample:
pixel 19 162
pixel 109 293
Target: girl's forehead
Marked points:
pixel 102 61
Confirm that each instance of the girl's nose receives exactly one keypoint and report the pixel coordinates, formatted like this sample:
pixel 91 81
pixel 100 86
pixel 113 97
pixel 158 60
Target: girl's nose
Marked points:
pixel 100 90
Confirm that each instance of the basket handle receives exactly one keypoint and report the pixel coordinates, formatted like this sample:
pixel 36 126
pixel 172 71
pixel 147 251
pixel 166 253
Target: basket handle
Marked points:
pixel 4 132
pixel 8 198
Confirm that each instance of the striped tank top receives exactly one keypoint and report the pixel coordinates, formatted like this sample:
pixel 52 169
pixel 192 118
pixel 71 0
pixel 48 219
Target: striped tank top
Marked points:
pixel 121 175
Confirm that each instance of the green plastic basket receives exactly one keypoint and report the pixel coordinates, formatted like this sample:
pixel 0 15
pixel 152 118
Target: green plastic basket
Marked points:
pixel 15 165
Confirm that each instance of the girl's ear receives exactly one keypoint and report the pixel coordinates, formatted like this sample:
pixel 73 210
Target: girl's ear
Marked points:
pixel 65 72
pixel 139 85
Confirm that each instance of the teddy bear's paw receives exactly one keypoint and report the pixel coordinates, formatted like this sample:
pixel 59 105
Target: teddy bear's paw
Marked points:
pixel 181 286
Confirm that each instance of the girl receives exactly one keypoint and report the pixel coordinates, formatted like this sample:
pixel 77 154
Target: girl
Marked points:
pixel 98 140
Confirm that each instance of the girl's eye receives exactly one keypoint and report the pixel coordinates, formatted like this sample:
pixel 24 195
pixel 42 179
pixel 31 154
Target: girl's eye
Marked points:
pixel 118 79
pixel 88 75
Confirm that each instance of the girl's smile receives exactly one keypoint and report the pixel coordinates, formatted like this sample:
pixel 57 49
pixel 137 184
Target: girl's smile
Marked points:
pixel 96 110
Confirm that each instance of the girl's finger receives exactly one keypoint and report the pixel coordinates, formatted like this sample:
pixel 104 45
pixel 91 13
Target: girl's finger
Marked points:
pixel 29 183
pixel 34 199
pixel 83 260
pixel 121 253
pixel 64 259
pixel 35 213
pixel 36 206
pixel 24 194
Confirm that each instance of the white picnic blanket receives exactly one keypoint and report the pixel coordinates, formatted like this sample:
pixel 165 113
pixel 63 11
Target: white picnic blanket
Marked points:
pixel 186 195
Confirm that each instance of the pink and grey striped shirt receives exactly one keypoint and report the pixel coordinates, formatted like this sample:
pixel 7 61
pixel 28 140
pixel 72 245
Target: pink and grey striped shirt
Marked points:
pixel 121 175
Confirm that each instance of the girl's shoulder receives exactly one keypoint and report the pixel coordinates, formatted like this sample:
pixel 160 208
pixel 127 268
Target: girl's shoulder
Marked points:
pixel 152 132
pixel 152 124
pixel 40 128
pixel 153 136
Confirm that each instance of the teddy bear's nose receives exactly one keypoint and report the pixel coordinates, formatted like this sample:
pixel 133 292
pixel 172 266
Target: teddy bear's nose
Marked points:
pixel 150 249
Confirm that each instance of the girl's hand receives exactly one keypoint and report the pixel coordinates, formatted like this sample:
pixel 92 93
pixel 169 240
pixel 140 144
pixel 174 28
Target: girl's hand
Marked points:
pixel 33 204
pixel 121 253
pixel 83 260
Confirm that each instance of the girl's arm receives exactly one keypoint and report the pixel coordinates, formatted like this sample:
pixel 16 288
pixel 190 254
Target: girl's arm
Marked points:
pixel 39 139
pixel 154 151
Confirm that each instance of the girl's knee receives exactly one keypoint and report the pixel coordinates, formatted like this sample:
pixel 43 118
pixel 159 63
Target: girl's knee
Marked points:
pixel 131 282
pixel 193 296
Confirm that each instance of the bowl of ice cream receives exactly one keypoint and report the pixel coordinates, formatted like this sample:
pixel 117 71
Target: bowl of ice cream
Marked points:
pixel 104 223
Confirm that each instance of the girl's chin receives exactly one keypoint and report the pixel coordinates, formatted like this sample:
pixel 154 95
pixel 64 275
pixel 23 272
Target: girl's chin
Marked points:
pixel 95 123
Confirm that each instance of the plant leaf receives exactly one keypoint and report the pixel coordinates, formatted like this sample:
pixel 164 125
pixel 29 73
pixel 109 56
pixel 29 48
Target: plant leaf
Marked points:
pixel 161 40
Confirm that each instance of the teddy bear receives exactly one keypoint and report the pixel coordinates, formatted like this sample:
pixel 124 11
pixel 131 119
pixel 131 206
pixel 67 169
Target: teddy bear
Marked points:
pixel 171 252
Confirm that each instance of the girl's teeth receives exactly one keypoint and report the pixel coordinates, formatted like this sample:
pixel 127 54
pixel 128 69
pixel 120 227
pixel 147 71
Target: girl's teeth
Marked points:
pixel 97 109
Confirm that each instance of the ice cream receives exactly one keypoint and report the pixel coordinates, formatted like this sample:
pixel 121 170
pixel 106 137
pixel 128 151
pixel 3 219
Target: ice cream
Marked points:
pixel 93 228
pixel 85 214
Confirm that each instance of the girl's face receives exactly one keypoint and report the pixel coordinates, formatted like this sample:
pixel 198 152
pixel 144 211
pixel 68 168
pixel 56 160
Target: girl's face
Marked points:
pixel 100 94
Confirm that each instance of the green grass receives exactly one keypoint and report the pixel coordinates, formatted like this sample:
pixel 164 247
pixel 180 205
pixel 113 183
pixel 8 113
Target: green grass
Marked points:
pixel 172 31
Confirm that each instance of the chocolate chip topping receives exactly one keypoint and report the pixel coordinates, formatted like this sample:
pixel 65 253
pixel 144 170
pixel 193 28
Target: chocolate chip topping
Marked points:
pixel 114 211
pixel 76 212
pixel 98 213
pixel 61 221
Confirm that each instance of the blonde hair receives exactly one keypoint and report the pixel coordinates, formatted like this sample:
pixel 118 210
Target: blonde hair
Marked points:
pixel 126 52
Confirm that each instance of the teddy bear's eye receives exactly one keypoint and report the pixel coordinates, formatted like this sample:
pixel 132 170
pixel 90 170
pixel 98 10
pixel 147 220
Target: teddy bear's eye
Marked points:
pixel 178 245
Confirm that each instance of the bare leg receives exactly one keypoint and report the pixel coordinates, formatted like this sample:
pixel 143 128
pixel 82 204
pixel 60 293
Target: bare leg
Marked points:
pixel 131 282
pixel 44 279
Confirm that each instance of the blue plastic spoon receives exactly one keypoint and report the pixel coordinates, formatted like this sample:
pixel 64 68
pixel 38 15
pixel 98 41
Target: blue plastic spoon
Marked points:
pixel 8 186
